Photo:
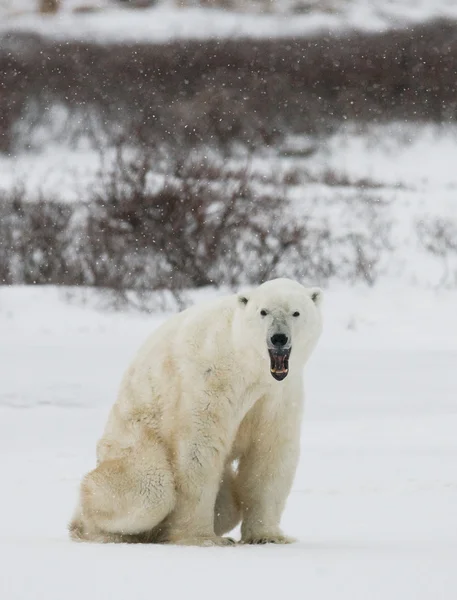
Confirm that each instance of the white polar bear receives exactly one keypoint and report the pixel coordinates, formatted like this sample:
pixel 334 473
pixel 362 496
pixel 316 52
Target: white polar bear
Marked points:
pixel 215 385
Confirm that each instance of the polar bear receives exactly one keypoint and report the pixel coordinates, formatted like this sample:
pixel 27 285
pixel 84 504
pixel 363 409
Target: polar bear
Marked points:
pixel 205 431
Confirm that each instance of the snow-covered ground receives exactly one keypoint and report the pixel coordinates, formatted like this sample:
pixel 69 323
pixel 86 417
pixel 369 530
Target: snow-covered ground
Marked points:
pixel 374 501
pixel 169 20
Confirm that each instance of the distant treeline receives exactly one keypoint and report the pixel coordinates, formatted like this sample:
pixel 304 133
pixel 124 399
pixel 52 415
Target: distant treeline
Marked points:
pixel 233 90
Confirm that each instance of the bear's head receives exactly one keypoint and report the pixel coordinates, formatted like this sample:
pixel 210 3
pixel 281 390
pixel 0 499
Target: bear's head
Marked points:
pixel 282 318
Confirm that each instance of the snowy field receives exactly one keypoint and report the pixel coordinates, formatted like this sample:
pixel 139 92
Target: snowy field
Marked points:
pixel 110 22
pixel 374 501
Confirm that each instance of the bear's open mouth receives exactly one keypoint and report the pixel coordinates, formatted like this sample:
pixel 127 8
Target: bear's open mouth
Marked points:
pixel 279 362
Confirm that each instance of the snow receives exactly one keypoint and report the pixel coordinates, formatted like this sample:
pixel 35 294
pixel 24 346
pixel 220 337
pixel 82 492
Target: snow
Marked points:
pixel 374 499
pixel 54 172
pixel 166 21
pixel 399 155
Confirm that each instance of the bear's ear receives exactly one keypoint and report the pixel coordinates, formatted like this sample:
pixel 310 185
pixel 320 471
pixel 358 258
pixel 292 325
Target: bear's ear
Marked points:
pixel 243 300
pixel 316 295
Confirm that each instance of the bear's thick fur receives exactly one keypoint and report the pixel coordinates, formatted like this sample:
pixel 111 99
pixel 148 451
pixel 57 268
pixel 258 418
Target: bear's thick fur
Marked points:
pixel 216 385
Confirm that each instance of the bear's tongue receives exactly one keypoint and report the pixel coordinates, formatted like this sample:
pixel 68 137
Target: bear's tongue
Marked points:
pixel 279 363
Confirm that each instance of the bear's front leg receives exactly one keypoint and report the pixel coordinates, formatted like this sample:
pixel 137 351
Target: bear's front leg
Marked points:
pixel 266 473
pixel 200 461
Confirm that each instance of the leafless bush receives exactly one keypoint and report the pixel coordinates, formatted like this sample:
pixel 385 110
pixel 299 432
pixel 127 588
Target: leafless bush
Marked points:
pixel 365 246
pixel 34 246
pixel 204 224
pixel 13 98
pixel 439 237
pixel 49 6
pixel 333 178
pixel 153 225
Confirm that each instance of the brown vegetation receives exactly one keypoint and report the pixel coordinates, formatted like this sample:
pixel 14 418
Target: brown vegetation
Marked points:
pixel 204 224
pixel 49 6
pixel 236 90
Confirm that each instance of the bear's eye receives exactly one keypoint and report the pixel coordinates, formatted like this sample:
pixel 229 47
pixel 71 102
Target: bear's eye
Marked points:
pixel 296 314
pixel 263 312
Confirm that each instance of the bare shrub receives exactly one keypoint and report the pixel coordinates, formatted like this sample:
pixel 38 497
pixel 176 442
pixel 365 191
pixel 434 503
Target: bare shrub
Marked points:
pixel 439 237
pixel 49 6
pixel 205 221
pixel 13 98
pixel 365 246
pixel 34 241
pixel 333 178
pixel 155 225
pixel 204 224
pixel 6 245
pixel 362 255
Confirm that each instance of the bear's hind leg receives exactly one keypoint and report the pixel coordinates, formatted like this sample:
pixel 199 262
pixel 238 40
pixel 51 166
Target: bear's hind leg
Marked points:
pixel 227 512
pixel 124 499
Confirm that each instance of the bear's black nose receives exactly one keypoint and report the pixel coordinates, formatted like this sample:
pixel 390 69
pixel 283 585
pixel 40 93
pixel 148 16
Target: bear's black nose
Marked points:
pixel 279 340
